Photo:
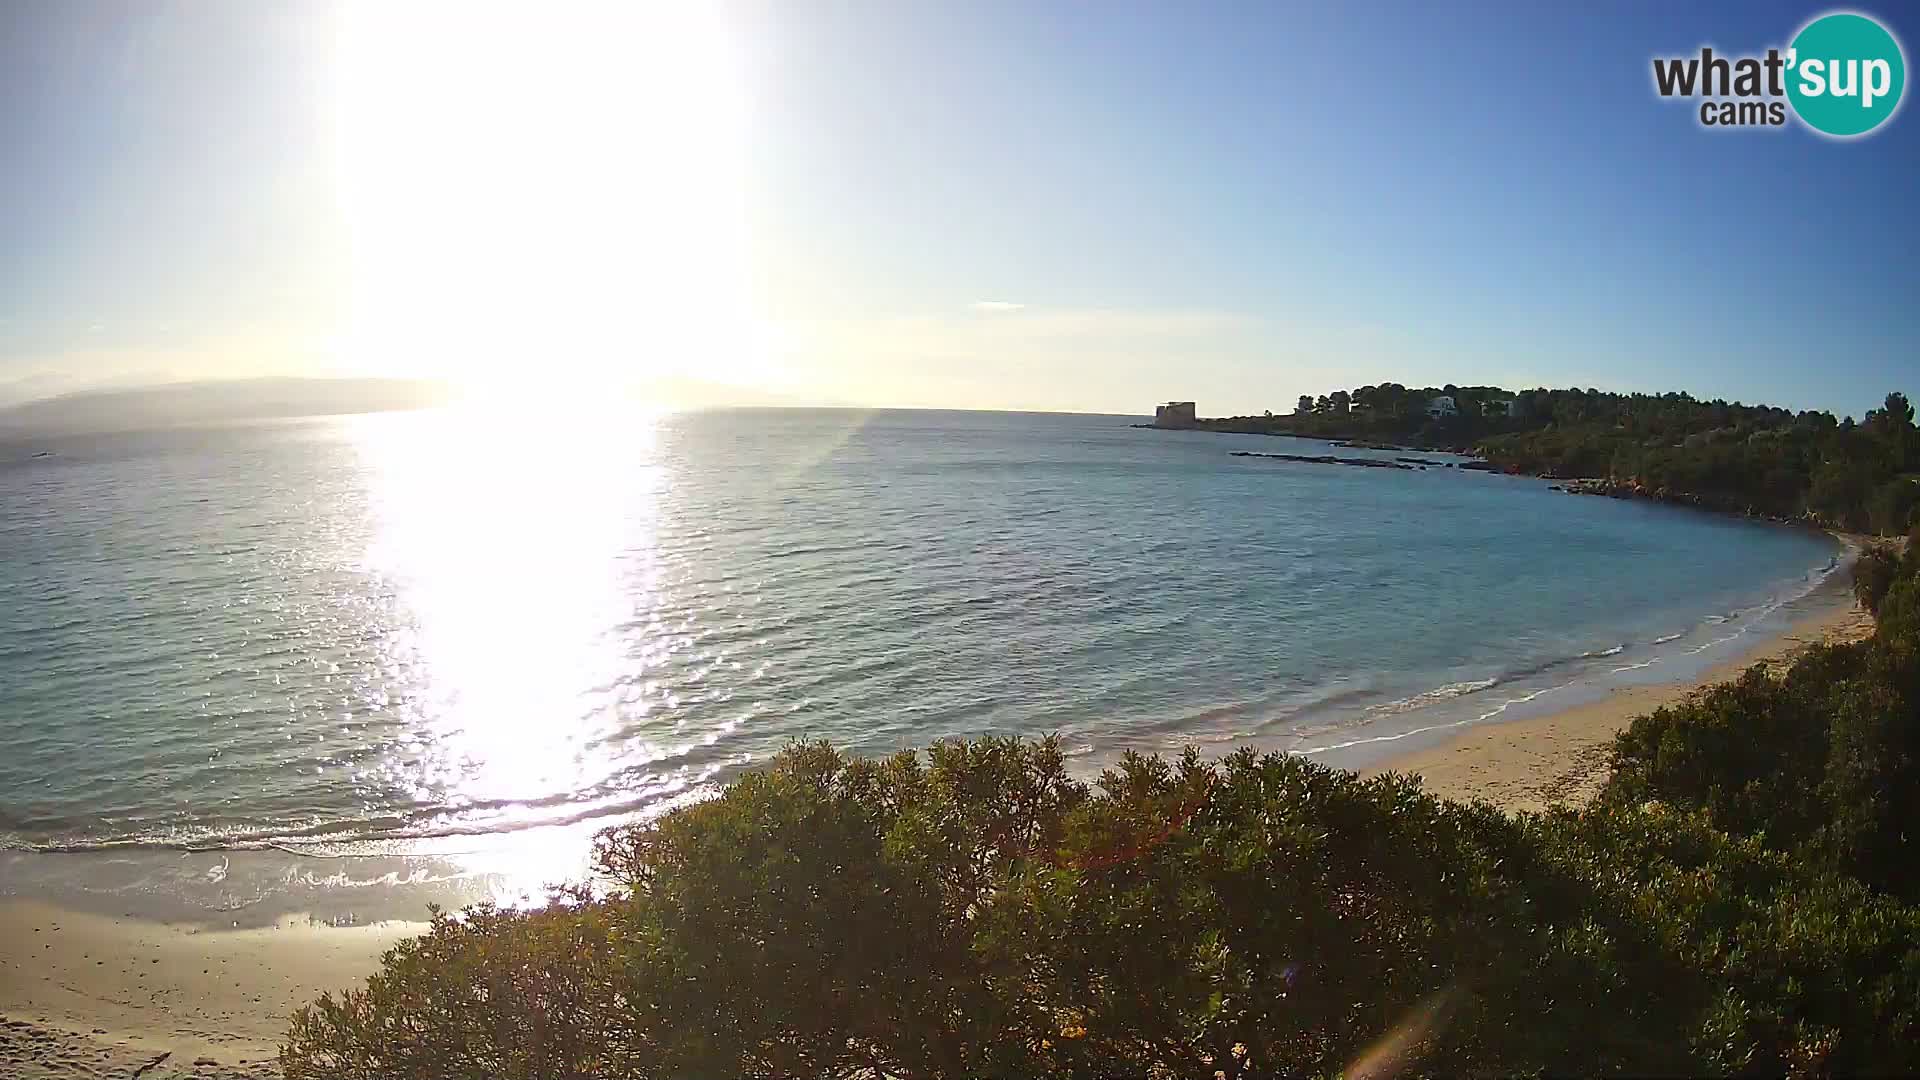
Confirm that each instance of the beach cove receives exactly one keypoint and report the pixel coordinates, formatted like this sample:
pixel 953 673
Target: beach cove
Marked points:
pixel 86 995
pixel 1130 594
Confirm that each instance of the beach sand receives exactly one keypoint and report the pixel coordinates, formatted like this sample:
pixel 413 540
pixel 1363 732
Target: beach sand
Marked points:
pixel 91 996
pixel 1561 758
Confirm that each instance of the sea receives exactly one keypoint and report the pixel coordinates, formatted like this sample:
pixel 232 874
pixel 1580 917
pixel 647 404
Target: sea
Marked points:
pixel 322 663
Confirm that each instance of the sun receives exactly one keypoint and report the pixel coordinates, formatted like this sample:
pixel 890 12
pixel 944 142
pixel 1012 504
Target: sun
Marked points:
pixel 545 199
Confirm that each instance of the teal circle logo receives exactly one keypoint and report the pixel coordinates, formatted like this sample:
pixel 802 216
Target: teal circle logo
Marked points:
pixel 1845 74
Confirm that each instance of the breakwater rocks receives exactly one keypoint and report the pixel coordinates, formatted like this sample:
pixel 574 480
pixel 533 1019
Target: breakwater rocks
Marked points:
pixel 1329 459
pixel 1363 444
pixel 1410 464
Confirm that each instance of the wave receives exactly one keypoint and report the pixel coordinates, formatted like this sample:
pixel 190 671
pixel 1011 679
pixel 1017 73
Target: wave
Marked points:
pixel 328 839
pixel 1410 732
pixel 1435 695
pixel 1748 617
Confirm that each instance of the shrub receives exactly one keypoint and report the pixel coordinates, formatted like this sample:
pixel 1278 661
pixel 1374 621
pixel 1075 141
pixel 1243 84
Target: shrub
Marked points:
pixel 531 995
pixel 977 913
pixel 1874 572
pixel 1750 753
pixel 1899 610
pixel 1793 970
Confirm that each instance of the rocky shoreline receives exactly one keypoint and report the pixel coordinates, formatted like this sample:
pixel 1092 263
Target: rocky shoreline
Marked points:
pixel 1609 487
pixel 1614 488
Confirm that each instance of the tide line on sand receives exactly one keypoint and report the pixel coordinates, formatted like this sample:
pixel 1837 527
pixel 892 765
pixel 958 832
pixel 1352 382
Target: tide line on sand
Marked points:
pixel 1561 757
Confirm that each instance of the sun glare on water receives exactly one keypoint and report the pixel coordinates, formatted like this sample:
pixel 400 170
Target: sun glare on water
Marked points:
pixel 528 634
pixel 544 202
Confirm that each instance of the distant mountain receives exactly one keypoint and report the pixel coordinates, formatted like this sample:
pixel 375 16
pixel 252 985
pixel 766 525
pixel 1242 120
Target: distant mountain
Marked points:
pixel 186 404
pixel 193 403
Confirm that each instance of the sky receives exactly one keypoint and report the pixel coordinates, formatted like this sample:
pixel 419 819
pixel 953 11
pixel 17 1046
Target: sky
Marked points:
pixel 1076 207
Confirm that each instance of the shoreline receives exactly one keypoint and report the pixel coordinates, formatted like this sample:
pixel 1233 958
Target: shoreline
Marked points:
pixel 1560 757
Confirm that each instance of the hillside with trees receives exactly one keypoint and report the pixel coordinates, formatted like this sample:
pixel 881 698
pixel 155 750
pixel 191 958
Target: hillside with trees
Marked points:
pixel 1742 899
pixel 1752 459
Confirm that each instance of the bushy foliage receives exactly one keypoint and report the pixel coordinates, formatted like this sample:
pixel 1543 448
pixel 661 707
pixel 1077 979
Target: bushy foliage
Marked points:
pixel 490 992
pixel 1751 753
pixel 1899 610
pixel 1260 916
pixel 1873 574
pixel 1787 968
pixel 977 913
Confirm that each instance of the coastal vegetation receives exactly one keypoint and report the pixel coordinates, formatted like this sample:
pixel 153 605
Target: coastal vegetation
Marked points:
pixel 1742 898
pixel 1753 459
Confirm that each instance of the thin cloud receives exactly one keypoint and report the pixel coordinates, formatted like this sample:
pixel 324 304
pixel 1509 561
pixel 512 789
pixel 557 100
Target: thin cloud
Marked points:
pixel 996 305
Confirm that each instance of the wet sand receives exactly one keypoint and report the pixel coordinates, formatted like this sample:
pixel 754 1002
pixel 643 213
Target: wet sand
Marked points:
pixel 1561 758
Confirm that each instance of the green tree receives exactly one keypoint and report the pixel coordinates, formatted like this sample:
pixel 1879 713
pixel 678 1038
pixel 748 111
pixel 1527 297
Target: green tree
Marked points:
pixel 1895 416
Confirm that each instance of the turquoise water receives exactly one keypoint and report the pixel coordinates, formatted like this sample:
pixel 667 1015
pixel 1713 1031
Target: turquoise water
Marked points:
pixel 387 633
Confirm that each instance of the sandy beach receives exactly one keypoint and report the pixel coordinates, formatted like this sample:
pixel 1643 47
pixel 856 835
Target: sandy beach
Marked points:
pixel 91 996
pixel 1561 758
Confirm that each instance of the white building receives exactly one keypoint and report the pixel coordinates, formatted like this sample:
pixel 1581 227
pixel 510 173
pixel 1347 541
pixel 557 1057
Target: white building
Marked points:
pixel 1442 406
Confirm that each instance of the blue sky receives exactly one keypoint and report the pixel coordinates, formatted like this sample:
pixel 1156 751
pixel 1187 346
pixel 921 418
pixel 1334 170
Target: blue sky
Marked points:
pixel 974 205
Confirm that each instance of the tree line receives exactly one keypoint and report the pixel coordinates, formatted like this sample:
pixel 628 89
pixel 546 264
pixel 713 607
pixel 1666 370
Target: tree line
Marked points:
pixel 1754 459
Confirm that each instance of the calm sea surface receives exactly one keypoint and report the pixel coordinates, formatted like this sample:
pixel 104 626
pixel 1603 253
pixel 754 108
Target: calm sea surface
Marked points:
pixel 359 634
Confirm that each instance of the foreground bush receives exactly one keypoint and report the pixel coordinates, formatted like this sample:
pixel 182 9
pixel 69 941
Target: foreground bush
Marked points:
pixel 490 993
pixel 975 912
pixel 1788 969
pixel 1873 574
